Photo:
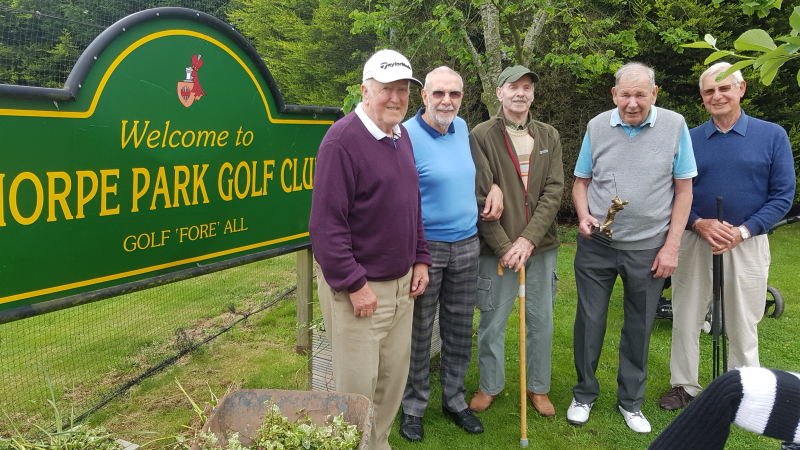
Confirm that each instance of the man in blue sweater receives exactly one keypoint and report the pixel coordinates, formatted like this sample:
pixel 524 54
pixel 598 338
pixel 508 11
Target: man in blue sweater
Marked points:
pixel 449 214
pixel 747 162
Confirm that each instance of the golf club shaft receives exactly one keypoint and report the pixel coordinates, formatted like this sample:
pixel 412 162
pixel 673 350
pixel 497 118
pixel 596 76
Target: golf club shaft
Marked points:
pixel 723 334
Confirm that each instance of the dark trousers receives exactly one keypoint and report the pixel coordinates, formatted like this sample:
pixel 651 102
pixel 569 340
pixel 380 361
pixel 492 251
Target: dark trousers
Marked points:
pixel 453 287
pixel 596 271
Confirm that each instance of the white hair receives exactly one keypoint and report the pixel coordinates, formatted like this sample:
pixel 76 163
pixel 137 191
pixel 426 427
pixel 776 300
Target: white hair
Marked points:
pixel 632 71
pixel 446 70
pixel 719 68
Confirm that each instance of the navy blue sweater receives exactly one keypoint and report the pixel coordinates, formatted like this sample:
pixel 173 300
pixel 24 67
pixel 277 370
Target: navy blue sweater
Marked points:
pixel 750 167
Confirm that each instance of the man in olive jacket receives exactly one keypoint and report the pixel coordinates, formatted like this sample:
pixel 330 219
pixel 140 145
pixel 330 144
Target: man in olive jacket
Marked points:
pixel 523 157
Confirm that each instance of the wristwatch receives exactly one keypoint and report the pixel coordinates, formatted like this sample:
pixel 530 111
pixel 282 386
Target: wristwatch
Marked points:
pixel 745 233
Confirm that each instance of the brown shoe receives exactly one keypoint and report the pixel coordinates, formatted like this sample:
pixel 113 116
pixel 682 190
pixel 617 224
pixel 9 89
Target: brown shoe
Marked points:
pixel 675 399
pixel 481 401
pixel 542 404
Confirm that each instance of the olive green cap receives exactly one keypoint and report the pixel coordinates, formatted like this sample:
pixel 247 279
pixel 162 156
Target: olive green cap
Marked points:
pixel 512 74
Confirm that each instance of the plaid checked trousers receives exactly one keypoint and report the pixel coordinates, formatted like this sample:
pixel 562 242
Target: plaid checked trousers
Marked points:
pixel 453 287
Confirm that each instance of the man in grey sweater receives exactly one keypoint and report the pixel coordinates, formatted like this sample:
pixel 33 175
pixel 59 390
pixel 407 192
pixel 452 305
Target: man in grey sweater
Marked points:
pixel 643 154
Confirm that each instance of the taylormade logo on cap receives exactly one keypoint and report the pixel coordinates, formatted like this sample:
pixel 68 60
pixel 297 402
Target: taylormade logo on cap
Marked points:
pixel 393 64
pixel 387 66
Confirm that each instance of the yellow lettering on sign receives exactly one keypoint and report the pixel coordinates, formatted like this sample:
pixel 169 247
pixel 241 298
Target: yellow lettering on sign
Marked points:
pixel 286 188
pixel 295 186
pixel 267 173
pixel 221 139
pixel 309 162
pixel 198 183
pixel 229 195
pixel 105 189
pixel 2 221
pixel 246 167
pixel 183 139
pixel 212 134
pixel 161 188
pixel 195 232
pixel 60 197
pixel 139 193
pixel 172 136
pixel 181 186
pixel 153 136
pixel 12 198
pixel 231 227
pixel 84 199
pixel 166 130
pixel 254 192
pixel 134 133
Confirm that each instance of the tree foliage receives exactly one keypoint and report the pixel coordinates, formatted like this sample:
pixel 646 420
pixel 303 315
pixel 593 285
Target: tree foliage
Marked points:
pixel 758 50
pixel 307 45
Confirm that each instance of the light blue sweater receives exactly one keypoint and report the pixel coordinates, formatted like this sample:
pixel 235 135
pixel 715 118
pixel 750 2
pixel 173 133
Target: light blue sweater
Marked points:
pixel 446 179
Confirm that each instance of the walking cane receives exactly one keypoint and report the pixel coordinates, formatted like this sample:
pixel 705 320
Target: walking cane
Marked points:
pixel 718 309
pixel 523 440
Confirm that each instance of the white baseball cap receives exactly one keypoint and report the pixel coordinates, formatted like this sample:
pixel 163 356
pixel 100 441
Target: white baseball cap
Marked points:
pixel 387 66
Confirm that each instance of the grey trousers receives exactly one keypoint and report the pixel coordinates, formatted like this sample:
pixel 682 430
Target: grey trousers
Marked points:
pixel 596 271
pixel 453 281
pixel 496 298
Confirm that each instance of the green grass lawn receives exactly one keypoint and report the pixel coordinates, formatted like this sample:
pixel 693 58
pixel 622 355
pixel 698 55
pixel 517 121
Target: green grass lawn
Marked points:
pixel 606 429
pixel 90 350
pixel 260 354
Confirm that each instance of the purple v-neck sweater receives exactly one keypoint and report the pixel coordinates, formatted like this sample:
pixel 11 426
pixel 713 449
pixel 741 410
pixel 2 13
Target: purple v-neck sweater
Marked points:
pixel 366 220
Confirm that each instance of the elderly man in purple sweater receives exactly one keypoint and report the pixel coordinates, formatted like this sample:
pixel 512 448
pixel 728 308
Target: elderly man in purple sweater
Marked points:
pixel 367 235
pixel 748 162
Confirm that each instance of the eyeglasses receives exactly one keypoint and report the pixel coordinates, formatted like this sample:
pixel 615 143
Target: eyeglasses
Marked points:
pixel 454 95
pixel 721 89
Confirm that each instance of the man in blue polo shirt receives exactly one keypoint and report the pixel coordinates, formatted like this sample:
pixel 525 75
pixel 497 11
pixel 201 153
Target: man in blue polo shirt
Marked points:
pixel 449 214
pixel 747 162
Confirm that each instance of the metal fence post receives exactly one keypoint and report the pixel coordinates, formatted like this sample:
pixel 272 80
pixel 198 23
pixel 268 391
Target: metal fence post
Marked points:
pixel 305 295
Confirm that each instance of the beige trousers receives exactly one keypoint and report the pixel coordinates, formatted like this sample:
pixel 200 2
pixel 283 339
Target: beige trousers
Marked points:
pixel 371 354
pixel 746 269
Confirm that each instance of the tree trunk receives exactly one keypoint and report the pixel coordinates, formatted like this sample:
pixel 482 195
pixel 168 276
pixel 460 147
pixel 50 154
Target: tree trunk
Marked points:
pixel 493 56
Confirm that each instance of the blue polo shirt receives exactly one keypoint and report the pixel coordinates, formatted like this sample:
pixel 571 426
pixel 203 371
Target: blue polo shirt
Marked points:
pixel 446 179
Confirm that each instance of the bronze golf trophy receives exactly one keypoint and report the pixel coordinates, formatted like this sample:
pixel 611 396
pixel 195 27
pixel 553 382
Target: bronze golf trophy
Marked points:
pixel 603 233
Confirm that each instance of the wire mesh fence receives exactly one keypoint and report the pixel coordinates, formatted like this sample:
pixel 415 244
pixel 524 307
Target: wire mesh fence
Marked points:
pixel 41 40
pixel 92 352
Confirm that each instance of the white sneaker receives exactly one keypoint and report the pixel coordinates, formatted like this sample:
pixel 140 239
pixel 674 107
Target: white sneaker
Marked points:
pixel 578 413
pixel 635 420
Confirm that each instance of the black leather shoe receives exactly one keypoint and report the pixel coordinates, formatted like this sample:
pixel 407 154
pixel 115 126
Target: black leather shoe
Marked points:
pixel 411 428
pixel 465 419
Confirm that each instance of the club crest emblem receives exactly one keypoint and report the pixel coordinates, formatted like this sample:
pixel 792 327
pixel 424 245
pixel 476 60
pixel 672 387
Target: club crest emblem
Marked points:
pixel 189 89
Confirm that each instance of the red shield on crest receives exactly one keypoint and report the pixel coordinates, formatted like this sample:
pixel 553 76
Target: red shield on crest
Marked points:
pixel 185 94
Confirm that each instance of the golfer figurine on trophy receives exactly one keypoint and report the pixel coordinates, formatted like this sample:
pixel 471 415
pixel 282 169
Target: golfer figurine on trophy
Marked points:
pixel 604 232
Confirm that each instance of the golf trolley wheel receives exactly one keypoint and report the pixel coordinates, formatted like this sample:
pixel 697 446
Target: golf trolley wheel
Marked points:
pixel 774 306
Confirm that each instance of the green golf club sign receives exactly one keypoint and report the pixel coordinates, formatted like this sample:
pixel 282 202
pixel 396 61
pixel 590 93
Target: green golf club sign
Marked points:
pixel 169 147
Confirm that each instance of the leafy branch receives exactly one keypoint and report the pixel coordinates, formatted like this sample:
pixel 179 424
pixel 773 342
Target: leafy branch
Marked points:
pixel 768 58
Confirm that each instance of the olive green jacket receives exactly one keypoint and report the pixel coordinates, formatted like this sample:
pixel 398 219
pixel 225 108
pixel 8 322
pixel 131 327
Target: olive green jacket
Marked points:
pixel 534 216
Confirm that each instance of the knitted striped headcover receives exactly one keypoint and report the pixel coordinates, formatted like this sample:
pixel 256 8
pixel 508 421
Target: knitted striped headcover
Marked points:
pixel 764 401
pixel 770 403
